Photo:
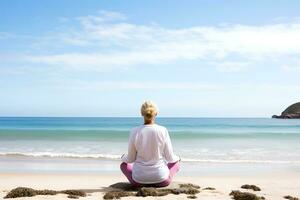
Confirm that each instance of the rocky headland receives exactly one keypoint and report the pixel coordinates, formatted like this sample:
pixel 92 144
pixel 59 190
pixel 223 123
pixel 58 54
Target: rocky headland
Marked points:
pixel 292 112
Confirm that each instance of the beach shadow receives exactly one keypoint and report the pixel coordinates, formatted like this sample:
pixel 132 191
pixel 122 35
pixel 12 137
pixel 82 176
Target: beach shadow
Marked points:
pixel 120 186
pixel 123 186
pixel 126 186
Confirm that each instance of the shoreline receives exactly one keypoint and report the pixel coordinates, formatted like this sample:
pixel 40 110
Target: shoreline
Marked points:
pixel 41 165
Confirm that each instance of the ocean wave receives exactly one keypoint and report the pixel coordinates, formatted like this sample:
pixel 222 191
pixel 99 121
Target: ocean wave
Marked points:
pixel 60 155
pixel 118 158
pixel 242 161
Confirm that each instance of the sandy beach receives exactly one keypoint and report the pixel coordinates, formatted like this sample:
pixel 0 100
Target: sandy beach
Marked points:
pixel 273 186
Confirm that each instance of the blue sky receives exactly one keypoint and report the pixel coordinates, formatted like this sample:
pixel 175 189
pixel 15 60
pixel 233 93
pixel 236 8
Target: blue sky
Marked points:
pixel 193 58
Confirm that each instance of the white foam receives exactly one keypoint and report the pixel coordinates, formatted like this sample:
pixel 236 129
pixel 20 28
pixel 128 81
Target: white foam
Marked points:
pixel 241 161
pixel 61 155
pixel 117 157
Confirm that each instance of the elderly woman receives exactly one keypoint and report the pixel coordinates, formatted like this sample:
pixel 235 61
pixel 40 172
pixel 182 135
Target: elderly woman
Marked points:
pixel 150 160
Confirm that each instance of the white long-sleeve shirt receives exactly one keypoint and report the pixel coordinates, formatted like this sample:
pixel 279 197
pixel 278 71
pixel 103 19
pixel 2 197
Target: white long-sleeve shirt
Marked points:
pixel 150 150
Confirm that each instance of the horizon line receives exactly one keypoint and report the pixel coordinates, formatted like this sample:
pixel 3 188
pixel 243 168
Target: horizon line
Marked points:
pixel 125 117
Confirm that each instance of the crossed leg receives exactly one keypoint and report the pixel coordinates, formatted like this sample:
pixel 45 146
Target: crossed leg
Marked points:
pixel 126 168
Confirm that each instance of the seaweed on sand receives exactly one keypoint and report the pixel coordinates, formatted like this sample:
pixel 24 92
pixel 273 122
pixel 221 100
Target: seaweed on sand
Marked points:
pixel 78 193
pixel 189 185
pixel 29 192
pixel 117 194
pixel 73 197
pixel 252 187
pixel 209 188
pixel 145 191
pixel 289 197
pixel 21 192
pixel 238 195
pixel 189 189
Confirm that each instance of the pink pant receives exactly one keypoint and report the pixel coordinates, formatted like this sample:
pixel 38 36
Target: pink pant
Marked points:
pixel 126 168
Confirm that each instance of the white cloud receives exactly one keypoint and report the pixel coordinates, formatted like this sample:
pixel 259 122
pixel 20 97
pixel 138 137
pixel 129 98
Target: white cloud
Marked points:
pixel 135 85
pixel 103 16
pixel 288 67
pixel 292 65
pixel 107 41
pixel 230 66
pixel 245 90
pixel 5 35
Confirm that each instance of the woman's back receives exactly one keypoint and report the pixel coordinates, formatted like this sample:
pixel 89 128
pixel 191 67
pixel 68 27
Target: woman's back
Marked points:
pixel 149 166
pixel 153 153
pixel 149 142
pixel 150 151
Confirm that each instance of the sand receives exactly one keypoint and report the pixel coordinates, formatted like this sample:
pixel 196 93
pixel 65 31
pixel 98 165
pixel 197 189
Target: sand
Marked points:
pixel 273 186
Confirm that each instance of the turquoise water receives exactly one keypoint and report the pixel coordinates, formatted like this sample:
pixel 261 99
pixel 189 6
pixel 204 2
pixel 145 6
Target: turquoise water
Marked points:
pixel 196 140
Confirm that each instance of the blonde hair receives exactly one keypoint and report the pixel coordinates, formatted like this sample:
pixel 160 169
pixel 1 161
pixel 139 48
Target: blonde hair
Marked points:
pixel 149 110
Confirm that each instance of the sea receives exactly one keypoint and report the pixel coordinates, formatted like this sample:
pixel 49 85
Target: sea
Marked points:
pixel 207 146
